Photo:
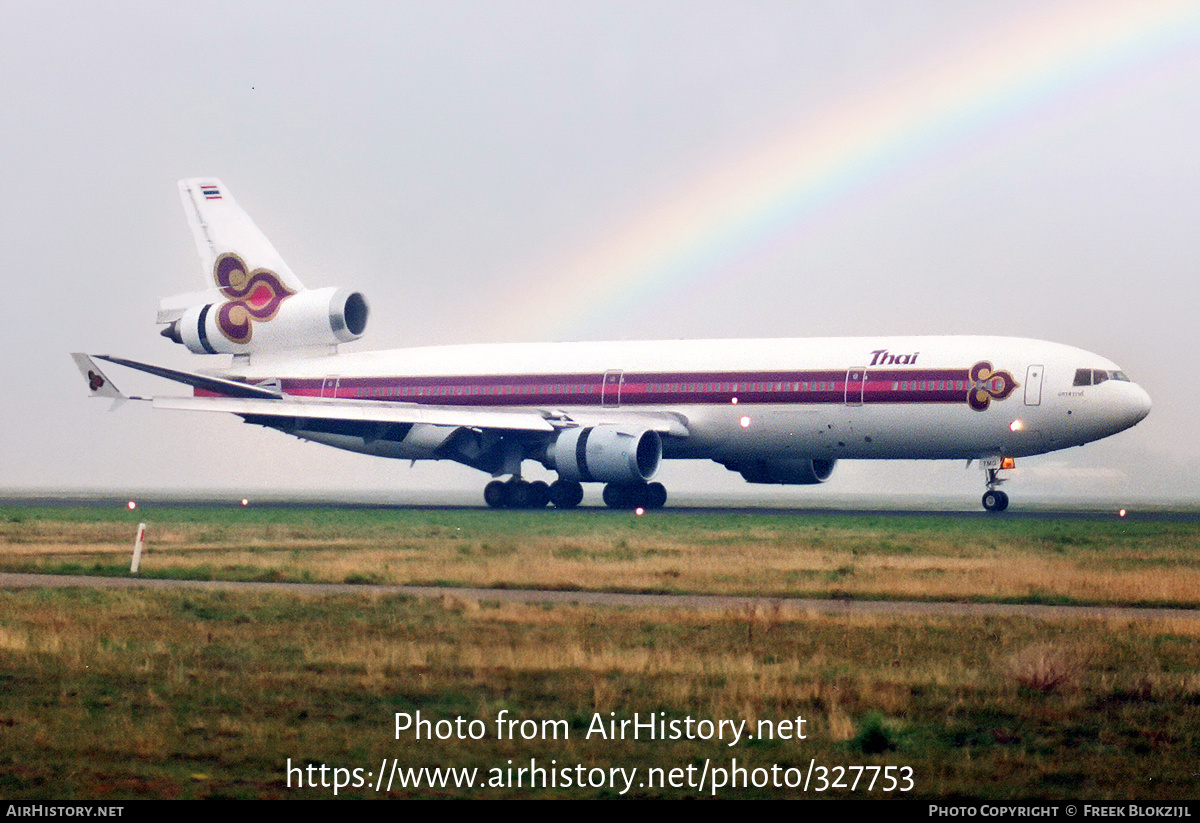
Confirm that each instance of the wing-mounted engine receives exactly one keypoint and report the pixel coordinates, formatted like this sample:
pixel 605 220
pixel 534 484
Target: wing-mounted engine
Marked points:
pixel 606 454
pixel 270 319
pixel 799 472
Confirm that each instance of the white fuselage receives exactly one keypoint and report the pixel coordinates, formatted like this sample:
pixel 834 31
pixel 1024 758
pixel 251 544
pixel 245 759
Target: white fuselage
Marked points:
pixel 866 398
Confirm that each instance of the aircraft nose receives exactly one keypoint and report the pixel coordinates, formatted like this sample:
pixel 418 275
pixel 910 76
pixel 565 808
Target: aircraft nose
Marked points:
pixel 1133 407
pixel 1141 405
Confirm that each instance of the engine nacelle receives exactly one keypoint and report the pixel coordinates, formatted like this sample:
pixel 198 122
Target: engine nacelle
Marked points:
pixel 606 454
pixel 309 318
pixel 801 472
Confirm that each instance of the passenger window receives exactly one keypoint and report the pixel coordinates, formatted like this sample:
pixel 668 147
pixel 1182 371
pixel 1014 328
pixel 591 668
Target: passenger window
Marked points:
pixel 1083 377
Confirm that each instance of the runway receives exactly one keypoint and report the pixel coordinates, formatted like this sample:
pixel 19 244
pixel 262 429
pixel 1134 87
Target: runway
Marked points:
pixel 789 605
pixel 1178 513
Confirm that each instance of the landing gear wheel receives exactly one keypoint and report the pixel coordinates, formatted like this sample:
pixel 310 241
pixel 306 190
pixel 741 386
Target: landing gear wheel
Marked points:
pixel 566 494
pixel 495 494
pixel 619 496
pixel 539 494
pixel 995 501
pixel 520 495
pixel 635 495
pixel 654 496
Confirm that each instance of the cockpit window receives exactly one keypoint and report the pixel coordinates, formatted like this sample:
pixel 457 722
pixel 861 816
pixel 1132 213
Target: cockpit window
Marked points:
pixel 1094 377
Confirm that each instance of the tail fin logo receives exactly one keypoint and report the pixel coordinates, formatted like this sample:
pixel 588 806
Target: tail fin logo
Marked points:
pixel 255 295
pixel 95 381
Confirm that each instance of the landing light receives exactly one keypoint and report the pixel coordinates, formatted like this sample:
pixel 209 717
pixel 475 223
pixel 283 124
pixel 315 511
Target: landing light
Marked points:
pixel 131 505
pixel 1016 426
pixel 245 502
pixel 733 400
pixel 745 421
pixel 639 511
pixel 1121 513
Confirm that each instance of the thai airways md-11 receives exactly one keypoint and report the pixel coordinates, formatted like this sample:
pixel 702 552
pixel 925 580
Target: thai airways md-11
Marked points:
pixel 774 411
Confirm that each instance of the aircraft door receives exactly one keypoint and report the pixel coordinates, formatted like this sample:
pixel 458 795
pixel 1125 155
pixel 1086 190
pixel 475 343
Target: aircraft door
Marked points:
pixel 610 389
pixel 1033 385
pixel 329 386
pixel 856 380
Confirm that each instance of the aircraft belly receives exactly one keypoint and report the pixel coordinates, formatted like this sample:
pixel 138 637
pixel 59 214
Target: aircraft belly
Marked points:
pixel 846 432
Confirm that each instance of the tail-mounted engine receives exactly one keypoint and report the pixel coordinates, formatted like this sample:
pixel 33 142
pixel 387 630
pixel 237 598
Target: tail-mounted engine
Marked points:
pixel 271 319
pixel 606 454
pixel 802 472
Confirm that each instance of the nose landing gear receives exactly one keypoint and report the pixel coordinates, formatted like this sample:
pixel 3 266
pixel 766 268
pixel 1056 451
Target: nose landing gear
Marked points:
pixel 995 500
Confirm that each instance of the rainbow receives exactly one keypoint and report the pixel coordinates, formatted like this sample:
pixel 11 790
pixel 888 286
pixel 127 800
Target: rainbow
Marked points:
pixel 817 169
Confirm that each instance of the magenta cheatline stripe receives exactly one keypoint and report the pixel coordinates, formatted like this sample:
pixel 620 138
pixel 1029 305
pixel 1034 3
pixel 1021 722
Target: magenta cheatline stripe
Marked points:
pixel 975 386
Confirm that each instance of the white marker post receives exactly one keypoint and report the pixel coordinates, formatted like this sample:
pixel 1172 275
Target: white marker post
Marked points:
pixel 137 549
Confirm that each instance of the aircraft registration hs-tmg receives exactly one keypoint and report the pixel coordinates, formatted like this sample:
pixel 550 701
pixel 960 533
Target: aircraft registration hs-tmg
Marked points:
pixel 775 411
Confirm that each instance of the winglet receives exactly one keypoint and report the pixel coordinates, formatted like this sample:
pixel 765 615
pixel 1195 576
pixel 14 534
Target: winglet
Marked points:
pixel 98 382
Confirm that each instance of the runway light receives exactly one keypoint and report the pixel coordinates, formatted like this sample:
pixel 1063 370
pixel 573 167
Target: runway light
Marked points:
pixel 1016 426
pixel 131 505
pixel 1121 513
pixel 245 502
pixel 745 421
pixel 639 511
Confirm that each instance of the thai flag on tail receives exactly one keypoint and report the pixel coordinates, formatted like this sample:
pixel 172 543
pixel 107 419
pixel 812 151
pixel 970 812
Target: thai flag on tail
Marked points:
pixel 210 192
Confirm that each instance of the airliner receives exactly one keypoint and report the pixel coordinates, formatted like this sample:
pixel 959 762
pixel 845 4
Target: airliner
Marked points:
pixel 775 411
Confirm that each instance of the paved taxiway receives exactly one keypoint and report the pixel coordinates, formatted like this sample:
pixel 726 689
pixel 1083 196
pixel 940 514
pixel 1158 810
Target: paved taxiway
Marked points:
pixel 791 605
pixel 1183 513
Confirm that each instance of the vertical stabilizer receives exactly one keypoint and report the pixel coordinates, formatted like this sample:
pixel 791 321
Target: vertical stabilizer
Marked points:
pixel 220 227
pixel 252 301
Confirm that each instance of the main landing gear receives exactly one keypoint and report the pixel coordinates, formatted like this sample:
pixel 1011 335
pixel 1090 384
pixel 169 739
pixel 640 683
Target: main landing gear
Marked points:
pixel 635 495
pixel 994 500
pixel 567 494
pixel 519 494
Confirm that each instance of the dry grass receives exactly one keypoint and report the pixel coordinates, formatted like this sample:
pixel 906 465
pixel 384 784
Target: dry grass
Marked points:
pixel 1047 668
pixel 1042 561
pixel 119 694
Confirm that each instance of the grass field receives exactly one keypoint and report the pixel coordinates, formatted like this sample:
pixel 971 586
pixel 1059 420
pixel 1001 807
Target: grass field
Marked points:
pixel 1101 561
pixel 124 694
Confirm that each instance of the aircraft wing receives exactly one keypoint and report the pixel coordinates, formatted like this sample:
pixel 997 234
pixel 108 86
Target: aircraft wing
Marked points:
pixel 265 400
pixel 362 411
pixel 206 382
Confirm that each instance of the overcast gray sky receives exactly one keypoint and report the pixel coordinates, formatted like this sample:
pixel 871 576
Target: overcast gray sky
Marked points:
pixel 491 172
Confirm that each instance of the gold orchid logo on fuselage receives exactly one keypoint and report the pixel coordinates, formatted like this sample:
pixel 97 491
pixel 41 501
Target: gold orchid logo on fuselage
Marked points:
pixel 253 295
pixel 988 385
